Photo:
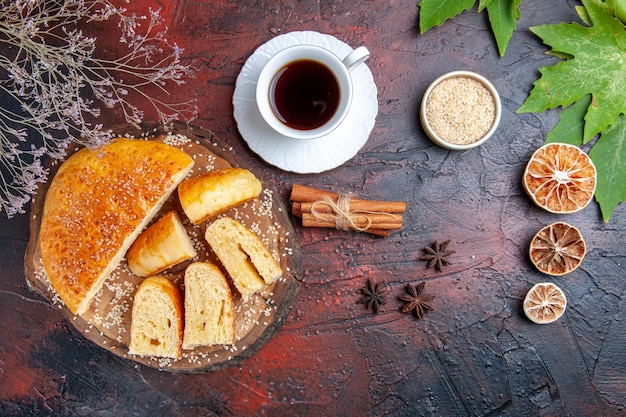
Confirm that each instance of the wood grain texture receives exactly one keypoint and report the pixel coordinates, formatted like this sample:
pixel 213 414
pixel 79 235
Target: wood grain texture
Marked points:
pixel 474 355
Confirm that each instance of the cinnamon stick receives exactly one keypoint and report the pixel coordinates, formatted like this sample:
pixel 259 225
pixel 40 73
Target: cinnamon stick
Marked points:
pixel 359 206
pixel 377 221
pixel 376 217
pixel 296 208
pixel 303 197
pixel 376 232
pixel 304 194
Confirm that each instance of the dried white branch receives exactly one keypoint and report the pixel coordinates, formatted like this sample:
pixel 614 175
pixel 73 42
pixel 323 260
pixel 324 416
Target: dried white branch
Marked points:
pixel 53 85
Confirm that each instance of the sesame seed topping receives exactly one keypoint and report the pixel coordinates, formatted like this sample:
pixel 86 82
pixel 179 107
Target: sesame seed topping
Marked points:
pixel 109 315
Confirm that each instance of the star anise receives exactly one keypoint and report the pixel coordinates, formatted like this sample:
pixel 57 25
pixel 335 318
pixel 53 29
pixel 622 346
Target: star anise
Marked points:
pixel 437 255
pixel 415 301
pixel 374 295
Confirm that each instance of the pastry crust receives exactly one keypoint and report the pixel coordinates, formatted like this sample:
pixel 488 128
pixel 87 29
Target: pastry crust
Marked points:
pixel 162 245
pixel 97 204
pixel 215 192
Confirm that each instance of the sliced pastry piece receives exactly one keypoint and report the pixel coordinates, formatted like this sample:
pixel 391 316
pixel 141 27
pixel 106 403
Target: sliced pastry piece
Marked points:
pixel 156 327
pixel 97 204
pixel 247 260
pixel 163 244
pixel 209 310
pixel 215 192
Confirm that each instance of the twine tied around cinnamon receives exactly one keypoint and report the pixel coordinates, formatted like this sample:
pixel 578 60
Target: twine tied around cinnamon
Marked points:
pixel 343 217
pixel 320 208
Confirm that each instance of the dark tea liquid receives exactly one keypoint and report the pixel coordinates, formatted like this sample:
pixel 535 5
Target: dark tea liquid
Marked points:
pixel 304 94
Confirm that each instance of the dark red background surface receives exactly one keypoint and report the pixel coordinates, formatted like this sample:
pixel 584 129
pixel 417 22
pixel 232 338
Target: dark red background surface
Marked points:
pixel 475 355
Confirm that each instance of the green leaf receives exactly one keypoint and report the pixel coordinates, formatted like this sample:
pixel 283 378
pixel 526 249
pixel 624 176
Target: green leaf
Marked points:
pixel 598 67
pixel 570 127
pixel 584 16
pixel 617 8
pixel 482 4
pixel 435 12
pixel 591 80
pixel 609 157
pixel 503 15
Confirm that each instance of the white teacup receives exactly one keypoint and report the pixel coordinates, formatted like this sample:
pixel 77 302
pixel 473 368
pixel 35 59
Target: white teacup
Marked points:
pixel 305 91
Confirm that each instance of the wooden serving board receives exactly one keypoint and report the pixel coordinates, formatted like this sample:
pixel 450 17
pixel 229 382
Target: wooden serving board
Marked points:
pixel 107 322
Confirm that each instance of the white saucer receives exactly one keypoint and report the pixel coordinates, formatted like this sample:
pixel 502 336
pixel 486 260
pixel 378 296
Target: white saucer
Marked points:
pixel 304 156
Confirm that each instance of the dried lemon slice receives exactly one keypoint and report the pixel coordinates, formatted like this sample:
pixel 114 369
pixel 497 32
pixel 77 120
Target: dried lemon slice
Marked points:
pixel 560 178
pixel 544 303
pixel 557 249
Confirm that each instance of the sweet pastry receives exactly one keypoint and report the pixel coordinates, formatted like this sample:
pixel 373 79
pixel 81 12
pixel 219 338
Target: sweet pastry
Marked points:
pixel 209 311
pixel 97 204
pixel 156 327
pixel 215 192
pixel 247 260
pixel 163 244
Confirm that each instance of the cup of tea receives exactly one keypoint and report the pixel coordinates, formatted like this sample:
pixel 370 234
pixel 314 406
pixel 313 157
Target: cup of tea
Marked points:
pixel 305 91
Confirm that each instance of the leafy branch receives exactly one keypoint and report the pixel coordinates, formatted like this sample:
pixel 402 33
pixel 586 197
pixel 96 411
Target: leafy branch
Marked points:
pixel 53 85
